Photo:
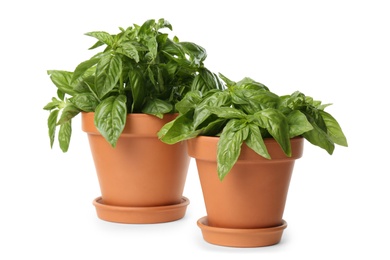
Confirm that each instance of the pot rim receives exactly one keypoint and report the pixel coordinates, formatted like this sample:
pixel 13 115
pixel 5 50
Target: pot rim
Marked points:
pixel 196 150
pixel 137 124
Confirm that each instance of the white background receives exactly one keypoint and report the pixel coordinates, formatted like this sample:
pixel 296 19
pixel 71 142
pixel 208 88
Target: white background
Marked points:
pixel 334 51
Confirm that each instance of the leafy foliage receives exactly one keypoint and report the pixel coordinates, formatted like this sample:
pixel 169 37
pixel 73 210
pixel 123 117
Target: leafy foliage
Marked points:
pixel 140 70
pixel 247 111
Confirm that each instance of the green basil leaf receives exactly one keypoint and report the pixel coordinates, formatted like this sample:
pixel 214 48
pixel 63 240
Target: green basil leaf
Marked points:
pixel 216 99
pixel 255 141
pixel 151 77
pixel 157 107
pixel 320 138
pixel 129 50
pixel 214 128
pixel 333 129
pixel 251 100
pixel 180 60
pixel 248 83
pixel 196 53
pixel 69 112
pixel 298 123
pixel 294 101
pixel 64 135
pixel 103 37
pixel 160 79
pixel 62 80
pixel 86 84
pixel 83 67
pixel 178 130
pixel 61 94
pixel 205 81
pixel 164 130
pixel 189 101
pixel 108 73
pixel 172 49
pixel 96 45
pixel 227 112
pixel 171 67
pixel 276 124
pixel 86 102
pixel 152 47
pixel 229 146
pixel 110 118
pixel 228 82
pixel 147 27
pixel 52 124
pixel 55 103
pixel 138 91
pixel 313 115
pixel 162 23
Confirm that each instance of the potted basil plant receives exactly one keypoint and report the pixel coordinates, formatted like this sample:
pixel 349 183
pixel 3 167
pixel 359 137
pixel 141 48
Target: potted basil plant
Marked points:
pixel 125 93
pixel 245 140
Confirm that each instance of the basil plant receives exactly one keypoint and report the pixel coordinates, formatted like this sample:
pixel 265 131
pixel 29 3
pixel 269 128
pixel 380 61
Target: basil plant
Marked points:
pixel 140 70
pixel 247 111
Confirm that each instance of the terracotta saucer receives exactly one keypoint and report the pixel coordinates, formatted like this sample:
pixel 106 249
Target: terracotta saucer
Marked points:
pixel 141 215
pixel 241 237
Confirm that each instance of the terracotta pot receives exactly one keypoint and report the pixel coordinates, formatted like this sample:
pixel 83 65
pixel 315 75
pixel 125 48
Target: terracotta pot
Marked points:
pixel 246 208
pixel 141 175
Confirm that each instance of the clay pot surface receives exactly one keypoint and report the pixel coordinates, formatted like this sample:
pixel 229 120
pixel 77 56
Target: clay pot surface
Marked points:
pixel 141 171
pixel 252 195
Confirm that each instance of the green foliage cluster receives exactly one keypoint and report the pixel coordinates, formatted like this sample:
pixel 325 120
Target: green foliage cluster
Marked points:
pixel 247 111
pixel 141 70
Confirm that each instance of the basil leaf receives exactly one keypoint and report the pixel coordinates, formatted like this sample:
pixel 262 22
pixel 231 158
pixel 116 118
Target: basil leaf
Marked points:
pixel 226 112
pixel 255 141
pixel 205 81
pixel 103 37
pixel 110 118
pixel 129 50
pixel 196 53
pixel 320 138
pixel 228 82
pixel 96 45
pixel 298 123
pixel 164 130
pixel 152 47
pixel 229 146
pixel 178 130
pixel 83 67
pixel 108 72
pixel 69 112
pixel 64 135
pixel 251 100
pixel 172 49
pixel 276 124
pixel 333 129
pixel 52 124
pixel 214 128
pixel 62 80
pixel 216 99
pixel 138 91
pixel 86 84
pixel 162 23
pixel 248 83
pixel 180 60
pixel 147 27
pixel 157 107
pixel 55 103
pixel 86 102
pixel 189 101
